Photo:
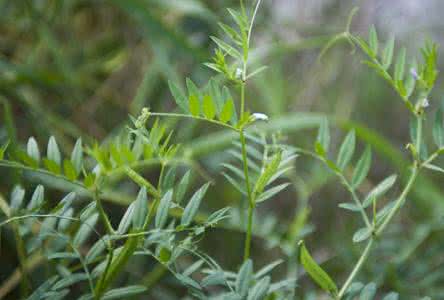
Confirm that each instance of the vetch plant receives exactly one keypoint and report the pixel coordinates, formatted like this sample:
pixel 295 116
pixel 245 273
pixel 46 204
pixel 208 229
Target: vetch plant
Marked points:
pixel 88 254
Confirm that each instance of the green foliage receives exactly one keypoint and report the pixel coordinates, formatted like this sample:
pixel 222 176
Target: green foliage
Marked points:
pixel 162 174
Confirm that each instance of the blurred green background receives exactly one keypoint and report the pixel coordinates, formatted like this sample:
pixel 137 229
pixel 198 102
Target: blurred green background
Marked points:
pixel 79 68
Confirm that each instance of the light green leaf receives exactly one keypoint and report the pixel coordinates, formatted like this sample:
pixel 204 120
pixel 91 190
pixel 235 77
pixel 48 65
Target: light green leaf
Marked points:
pixel 379 190
pixel 391 296
pixel 3 150
pixel 191 209
pixel 53 152
pixel 438 130
pixel 323 139
pixel 124 293
pixel 162 210
pixel 349 206
pixel 209 108
pixel 17 196
pixel 271 169
pixel 362 234
pixel 399 66
pixel 227 48
pixel 178 96
pixel 69 170
pixel 33 149
pixel 267 269
pixel 37 198
pixel 315 271
pixel 244 277
pixel 227 111
pixel 271 192
pixel 369 292
pixel 387 53
pixel 346 150
pixel 85 230
pixel 260 289
pixel 194 105
pixel 362 167
pixel 182 187
pixel 70 280
pixel 125 223
pixel 373 40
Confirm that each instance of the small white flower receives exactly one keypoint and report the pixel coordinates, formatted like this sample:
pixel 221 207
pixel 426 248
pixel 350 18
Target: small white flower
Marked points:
pixel 259 116
pixel 238 73
pixel 414 73
pixel 425 103
pixel 96 170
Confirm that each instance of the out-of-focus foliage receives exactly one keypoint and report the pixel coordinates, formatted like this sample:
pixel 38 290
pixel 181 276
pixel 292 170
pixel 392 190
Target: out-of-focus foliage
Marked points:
pixel 72 71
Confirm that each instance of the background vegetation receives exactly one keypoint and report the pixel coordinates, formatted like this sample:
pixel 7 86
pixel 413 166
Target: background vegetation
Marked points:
pixel 78 68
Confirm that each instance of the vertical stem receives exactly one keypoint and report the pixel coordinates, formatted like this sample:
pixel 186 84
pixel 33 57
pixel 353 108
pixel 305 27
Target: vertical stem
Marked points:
pixel 251 204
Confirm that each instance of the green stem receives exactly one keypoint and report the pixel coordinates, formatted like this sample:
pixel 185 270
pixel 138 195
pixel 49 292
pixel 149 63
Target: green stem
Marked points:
pixel 356 269
pixel 106 222
pixel 251 204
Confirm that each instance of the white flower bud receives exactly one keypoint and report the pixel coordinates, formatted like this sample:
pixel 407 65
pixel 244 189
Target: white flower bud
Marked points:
pixel 259 116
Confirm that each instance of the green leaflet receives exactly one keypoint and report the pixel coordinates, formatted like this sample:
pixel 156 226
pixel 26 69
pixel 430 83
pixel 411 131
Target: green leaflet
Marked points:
pixel 438 130
pixel 387 53
pixel 244 277
pixel 362 167
pixel 399 66
pixel 162 210
pixel 190 210
pixel 33 149
pixel 379 190
pixel 77 156
pixel 315 271
pixel 373 41
pixel 194 105
pixel 227 111
pixel 140 209
pixel 323 138
pixel 123 293
pixel 346 151
pixel 209 108
pixel 53 152
pixel 179 96
pixel 268 173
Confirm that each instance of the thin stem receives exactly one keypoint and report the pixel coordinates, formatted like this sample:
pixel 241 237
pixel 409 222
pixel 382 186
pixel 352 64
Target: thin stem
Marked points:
pixel 176 115
pixel 106 222
pixel 251 204
pixel 356 269
pixel 399 201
